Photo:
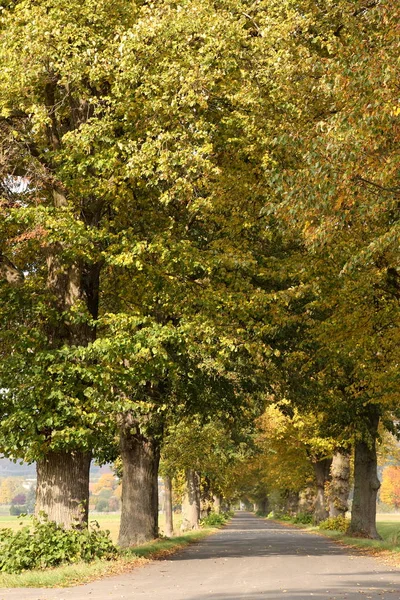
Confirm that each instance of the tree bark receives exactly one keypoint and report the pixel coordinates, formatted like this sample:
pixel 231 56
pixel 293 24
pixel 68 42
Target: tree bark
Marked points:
pixel 366 486
pixel 291 500
pixel 169 523
pixel 307 500
pixel 261 506
pixel 9 271
pixel 339 487
pixel 191 501
pixel 322 473
pixel 62 491
pixel 217 501
pixel 139 515
pixel 69 284
pixel 206 500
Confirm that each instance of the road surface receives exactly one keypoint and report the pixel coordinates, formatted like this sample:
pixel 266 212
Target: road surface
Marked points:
pixel 250 559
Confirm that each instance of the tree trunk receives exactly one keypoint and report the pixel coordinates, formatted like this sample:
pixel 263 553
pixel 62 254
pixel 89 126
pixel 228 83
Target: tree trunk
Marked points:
pixel 261 506
pixel 322 472
pixel 206 501
pixel 139 514
pixel 70 284
pixel 307 500
pixel 264 506
pixel 169 524
pixel 62 490
pixel 217 501
pixel 9 271
pixel 291 502
pixel 366 486
pixel 339 487
pixel 191 501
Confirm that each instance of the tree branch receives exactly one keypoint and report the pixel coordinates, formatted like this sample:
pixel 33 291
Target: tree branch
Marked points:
pixel 9 271
pixel 365 8
pixel 391 190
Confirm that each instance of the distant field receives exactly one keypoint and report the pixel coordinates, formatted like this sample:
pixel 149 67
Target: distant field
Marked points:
pixel 388 527
pixel 388 517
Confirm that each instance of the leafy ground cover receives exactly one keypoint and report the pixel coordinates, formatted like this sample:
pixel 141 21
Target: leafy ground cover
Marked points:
pixel 80 572
pixel 108 521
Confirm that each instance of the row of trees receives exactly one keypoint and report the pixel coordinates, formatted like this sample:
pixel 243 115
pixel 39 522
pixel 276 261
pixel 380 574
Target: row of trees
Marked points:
pixel 200 218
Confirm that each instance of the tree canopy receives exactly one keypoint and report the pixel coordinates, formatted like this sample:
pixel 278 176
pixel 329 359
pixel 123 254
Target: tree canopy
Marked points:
pixel 200 209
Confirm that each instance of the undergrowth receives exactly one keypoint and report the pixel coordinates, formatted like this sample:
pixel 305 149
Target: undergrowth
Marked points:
pixel 215 519
pixel 42 543
pixel 78 571
pixel 335 524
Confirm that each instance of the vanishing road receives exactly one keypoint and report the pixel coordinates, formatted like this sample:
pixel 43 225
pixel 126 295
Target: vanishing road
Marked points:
pixel 250 559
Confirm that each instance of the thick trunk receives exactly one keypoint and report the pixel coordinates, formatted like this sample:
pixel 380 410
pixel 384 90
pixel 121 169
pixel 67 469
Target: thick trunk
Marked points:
pixel 191 501
pixel 206 501
pixel 307 500
pixel 9 271
pixel 291 500
pixel 62 491
pixel 339 486
pixel 261 506
pixel 63 477
pixel 217 502
pixel 139 515
pixel 366 486
pixel 322 474
pixel 169 523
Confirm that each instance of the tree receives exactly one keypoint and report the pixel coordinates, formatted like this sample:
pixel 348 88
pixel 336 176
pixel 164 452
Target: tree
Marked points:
pixel 168 506
pixel 19 499
pixel 9 488
pixel 390 489
pixel 339 485
pixel 111 184
pixel 184 229
pixel 106 481
pixel 335 171
pixel 52 231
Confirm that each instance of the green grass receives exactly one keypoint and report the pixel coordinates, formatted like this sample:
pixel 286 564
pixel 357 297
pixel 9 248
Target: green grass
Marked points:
pixel 388 547
pixel 389 531
pixel 82 572
pixel 388 527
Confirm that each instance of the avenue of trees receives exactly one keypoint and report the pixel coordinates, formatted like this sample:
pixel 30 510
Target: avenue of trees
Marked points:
pixel 199 251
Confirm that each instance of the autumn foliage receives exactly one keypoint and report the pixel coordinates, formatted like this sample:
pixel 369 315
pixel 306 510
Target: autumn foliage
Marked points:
pixel 390 489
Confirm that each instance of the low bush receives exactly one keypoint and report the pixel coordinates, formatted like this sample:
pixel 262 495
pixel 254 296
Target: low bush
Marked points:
pixel 215 519
pixel 303 518
pixel 280 516
pixel 43 544
pixel 335 524
pixel 18 509
pixel 102 505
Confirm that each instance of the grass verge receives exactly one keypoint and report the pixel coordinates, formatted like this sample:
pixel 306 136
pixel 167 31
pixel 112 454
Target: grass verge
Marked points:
pixel 387 549
pixel 79 573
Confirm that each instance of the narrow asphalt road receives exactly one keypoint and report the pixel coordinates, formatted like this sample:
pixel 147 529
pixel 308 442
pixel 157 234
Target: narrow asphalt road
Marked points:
pixel 250 559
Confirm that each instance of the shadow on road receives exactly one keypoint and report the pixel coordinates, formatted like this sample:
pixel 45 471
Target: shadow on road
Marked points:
pixel 343 591
pixel 249 536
